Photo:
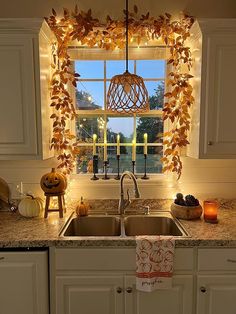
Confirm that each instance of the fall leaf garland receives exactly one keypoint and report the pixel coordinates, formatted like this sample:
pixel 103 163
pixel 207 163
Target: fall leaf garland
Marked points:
pixel 81 26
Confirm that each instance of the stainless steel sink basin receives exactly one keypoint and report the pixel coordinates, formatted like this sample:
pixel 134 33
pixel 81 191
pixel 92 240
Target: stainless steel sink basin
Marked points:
pixel 160 223
pixel 93 226
pixel 152 225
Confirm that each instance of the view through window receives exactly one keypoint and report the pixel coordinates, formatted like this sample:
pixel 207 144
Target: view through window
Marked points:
pixel 94 119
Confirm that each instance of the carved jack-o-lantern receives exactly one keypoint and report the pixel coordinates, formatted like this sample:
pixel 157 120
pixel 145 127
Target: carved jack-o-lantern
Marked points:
pixel 53 182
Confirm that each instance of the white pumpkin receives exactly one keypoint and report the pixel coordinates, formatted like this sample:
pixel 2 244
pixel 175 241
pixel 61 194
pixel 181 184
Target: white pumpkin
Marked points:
pixel 30 206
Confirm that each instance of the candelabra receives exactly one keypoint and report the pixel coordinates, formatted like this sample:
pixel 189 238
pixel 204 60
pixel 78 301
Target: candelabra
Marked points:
pixel 95 167
pixel 118 168
pixel 145 177
pixel 105 171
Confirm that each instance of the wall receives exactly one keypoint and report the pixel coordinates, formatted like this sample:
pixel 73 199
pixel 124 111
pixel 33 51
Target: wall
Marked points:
pixel 205 178
pixel 198 8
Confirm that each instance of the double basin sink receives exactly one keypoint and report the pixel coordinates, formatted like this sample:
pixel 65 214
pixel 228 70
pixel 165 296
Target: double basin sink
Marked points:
pixel 162 223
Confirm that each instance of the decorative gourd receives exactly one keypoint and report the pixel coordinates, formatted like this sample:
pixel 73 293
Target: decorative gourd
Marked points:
pixel 30 206
pixel 53 182
pixel 83 208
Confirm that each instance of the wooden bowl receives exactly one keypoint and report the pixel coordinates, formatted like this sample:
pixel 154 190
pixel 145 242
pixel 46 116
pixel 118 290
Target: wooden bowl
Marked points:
pixel 186 212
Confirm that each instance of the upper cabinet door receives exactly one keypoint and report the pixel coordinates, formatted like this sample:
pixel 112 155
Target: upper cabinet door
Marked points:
pixel 25 74
pixel 18 124
pixel 220 111
pixel 213 128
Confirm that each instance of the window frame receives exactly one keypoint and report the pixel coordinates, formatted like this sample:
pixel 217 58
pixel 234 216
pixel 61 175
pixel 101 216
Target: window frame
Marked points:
pixel 105 113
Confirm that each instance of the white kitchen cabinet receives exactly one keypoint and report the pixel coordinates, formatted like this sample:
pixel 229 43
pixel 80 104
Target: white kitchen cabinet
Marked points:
pixel 100 280
pixel 24 283
pixel 216 282
pixel 89 294
pixel 25 127
pixel 216 294
pixel 213 126
pixel 177 300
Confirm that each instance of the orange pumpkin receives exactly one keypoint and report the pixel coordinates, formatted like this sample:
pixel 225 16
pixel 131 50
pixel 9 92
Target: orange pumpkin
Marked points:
pixel 83 208
pixel 53 182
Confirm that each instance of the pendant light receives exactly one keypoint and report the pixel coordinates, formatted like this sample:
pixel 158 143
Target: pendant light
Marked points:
pixel 127 92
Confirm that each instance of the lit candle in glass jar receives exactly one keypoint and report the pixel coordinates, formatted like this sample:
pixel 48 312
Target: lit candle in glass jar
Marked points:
pixel 210 211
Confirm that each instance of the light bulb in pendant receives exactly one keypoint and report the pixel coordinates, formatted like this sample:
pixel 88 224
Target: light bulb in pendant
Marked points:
pixel 127 88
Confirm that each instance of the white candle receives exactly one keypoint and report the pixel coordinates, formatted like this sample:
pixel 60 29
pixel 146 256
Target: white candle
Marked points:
pixel 105 150
pixel 133 150
pixel 118 145
pixel 145 143
pixel 94 144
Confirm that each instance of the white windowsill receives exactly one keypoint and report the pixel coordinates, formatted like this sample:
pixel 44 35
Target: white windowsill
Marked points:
pixel 154 179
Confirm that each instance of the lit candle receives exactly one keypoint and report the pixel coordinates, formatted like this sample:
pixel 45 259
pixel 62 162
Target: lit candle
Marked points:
pixel 105 150
pixel 118 145
pixel 94 144
pixel 145 143
pixel 210 211
pixel 133 150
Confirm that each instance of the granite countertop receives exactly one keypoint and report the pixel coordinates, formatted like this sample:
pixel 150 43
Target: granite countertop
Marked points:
pixel 17 231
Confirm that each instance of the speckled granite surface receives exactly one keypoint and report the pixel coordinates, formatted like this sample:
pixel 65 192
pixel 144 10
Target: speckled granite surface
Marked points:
pixel 17 231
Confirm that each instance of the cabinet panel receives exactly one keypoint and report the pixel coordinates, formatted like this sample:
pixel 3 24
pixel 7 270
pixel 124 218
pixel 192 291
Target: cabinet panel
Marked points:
pixel 119 258
pixel 217 259
pixel 216 294
pixel 178 300
pixel 213 125
pixel 221 110
pixel 24 283
pixel 89 294
pixel 18 124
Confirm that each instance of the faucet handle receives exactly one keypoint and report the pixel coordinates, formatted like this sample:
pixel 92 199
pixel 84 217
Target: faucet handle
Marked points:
pixel 146 210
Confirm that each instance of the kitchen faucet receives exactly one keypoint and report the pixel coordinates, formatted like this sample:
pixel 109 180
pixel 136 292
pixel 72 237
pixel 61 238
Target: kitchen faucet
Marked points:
pixel 122 202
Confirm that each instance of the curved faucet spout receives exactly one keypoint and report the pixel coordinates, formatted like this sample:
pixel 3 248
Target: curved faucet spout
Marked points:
pixel 122 202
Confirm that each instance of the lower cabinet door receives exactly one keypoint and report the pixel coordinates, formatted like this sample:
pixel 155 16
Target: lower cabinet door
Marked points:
pixel 24 283
pixel 177 300
pixel 216 294
pixel 88 294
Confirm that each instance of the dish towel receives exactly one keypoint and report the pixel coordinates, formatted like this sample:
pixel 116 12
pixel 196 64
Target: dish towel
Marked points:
pixel 154 262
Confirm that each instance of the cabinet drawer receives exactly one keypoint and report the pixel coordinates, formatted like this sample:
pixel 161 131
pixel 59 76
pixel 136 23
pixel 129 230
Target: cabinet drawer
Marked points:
pixel 217 259
pixel 111 259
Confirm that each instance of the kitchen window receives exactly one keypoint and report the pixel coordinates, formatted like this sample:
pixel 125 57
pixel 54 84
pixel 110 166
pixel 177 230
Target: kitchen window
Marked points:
pixel 96 68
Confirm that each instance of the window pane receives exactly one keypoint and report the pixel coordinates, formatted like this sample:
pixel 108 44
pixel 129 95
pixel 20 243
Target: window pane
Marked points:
pixel 154 164
pixel 125 160
pixel 153 126
pixel 151 68
pixel 118 67
pixel 123 126
pixel 90 95
pixel 90 69
pixel 85 160
pixel 86 127
pixel 156 90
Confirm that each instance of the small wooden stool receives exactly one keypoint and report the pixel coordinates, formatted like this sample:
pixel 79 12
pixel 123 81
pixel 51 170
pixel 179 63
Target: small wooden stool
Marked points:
pixel 61 204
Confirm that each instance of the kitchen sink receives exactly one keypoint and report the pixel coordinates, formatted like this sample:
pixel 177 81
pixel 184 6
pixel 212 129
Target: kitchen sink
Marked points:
pixel 93 226
pixel 151 225
pixel 160 223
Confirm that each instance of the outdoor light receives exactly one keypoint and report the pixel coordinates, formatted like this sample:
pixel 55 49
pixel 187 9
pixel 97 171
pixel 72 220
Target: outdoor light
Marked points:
pixel 127 92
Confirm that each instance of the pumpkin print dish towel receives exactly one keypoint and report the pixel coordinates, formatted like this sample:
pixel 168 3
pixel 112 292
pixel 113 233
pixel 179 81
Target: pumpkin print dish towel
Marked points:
pixel 154 262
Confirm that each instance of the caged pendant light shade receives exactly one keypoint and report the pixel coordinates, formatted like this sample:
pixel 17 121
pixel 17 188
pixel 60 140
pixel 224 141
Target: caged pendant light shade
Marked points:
pixel 127 92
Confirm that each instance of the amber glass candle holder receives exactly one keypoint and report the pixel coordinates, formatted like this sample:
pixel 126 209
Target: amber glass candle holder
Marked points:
pixel 210 211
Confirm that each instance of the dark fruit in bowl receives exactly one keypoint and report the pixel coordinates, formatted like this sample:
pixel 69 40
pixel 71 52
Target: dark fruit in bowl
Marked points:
pixel 179 196
pixel 190 200
pixel 179 199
